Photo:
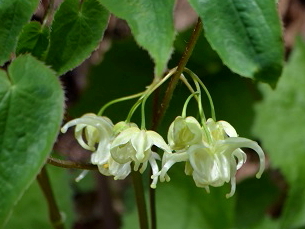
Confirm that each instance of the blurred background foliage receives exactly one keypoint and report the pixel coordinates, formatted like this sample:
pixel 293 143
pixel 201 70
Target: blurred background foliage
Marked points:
pixel 121 68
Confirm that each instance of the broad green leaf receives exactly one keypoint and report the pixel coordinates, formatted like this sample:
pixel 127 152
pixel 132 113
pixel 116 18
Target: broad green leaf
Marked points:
pixel 14 14
pixel 151 23
pixel 182 205
pixel 246 34
pixel 31 109
pixel 76 31
pixel 32 209
pixel 34 39
pixel 280 124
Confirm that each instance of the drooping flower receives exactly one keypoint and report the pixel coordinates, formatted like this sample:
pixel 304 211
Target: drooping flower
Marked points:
pixel 98 132
pixel 113 168
pixel 184 132
pixel 134 145
pixel 215 160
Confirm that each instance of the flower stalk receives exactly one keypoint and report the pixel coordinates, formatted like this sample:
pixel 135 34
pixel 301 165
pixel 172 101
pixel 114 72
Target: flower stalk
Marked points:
pixel 54 213
pixel 140 199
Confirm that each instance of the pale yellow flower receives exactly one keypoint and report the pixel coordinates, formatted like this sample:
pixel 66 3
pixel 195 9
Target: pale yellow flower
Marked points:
pixel 215 160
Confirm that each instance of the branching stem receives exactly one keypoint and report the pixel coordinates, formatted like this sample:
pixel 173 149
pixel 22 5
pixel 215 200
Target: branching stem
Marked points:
pixel 70 164
pixel 174 80
pixel 164 105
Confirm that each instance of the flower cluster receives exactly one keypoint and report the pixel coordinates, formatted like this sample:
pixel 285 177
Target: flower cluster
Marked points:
pixel 115 147
pixel 211 150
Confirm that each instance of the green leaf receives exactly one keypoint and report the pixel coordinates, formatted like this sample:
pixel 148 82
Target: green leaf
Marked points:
pixel 182 205
pixel 246 34
pixel 14 14
pixel 280 124
pixel 31 110
pixel 151 23
pixel 32 210
pixel 34 39
pixel 76 31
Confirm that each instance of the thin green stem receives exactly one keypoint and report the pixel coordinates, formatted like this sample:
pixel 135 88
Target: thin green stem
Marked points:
pixel 186 104
pixel 70 164
pixel 54 213
pixel 133 109
pixel 150 90
pixel 199 101
pixel 197 79
pixel 167 98
pixel 140 199
pixel 187 84
pixel 143 119
pixel 119 100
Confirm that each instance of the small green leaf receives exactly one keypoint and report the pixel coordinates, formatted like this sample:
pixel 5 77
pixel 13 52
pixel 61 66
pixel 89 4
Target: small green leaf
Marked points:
pixel 34 39
pixel 14 14
pixel 31 110
pixel 246 34
pixel 280 124
pixel 76 31
pixel 151 23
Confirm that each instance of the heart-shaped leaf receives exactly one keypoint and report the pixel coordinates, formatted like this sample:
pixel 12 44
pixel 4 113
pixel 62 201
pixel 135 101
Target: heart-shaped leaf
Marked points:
pixel 31 110
pixel 14 14
pixel 76 31
pixel 34 39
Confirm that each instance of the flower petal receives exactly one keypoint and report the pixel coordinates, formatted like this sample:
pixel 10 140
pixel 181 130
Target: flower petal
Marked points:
pixel 210 168
pixel 168 160
pixel 237 142
pixel 122 153
pixel 124 137
pixel 158 141
pixel 241 157
pixel 228 128
pixel 184 132
pixel 155 170
pixel 95 127
pixel 78 133
pixel 102 154
pixel 141 143
pixel 233 187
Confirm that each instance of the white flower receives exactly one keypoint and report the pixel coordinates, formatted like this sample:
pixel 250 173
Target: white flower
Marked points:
pixel 113 168
pixel 184 132
pixel 98 131
pixel 133 144
pixel 216 159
